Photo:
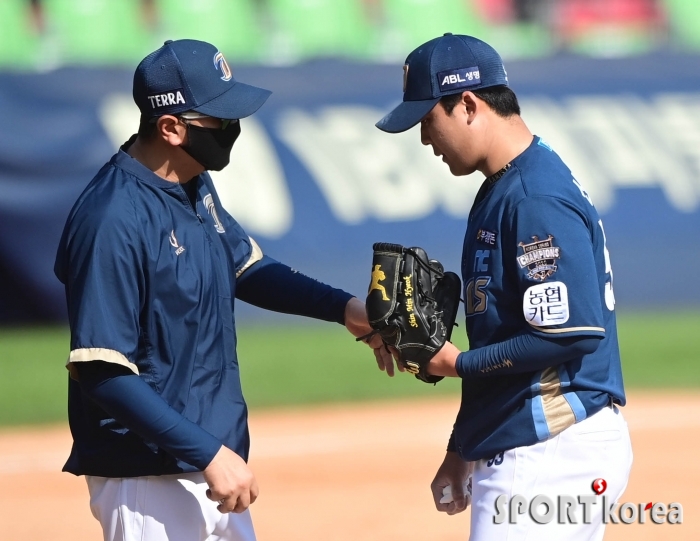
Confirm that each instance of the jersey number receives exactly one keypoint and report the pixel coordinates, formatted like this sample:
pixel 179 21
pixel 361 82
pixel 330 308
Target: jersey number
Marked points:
pixel 475 295
pixel 496 461
pixel 609 294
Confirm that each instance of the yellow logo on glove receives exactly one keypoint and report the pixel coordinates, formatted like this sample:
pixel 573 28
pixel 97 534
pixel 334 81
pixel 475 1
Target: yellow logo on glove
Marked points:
pixel 378 276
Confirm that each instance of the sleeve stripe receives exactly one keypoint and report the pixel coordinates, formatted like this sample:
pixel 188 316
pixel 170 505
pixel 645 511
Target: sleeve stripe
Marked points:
pixel 255 256
pixel 84 355
pixel 569 329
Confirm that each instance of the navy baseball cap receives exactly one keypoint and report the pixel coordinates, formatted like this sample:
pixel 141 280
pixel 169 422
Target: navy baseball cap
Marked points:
pixel 190 75
pixel 442 66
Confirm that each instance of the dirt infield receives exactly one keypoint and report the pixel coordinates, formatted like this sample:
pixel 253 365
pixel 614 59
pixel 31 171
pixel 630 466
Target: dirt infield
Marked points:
pixel 361 472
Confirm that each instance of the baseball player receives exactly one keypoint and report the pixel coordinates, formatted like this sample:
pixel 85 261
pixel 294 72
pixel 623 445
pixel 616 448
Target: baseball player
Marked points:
pixel 151 264
pixel 541 382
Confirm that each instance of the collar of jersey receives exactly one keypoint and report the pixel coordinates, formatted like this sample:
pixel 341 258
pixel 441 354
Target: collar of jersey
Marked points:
pixel 135 168
pixel 490 182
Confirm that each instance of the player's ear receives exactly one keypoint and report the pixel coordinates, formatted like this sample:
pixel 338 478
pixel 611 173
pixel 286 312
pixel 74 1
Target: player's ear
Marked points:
pixel 469 105
pixel 171 130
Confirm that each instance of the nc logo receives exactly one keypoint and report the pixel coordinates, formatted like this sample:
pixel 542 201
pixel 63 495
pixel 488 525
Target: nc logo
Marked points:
pixel 220 62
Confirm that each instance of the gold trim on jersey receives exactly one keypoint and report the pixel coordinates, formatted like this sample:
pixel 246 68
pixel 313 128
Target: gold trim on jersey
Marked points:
pixel 568 329
pixel 84 355
pixel 256 255
pixel 557 411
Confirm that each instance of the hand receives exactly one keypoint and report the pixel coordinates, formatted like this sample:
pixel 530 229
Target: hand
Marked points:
pixel 444 362
pixel 231 482
pixel 453 472
pixel 356 322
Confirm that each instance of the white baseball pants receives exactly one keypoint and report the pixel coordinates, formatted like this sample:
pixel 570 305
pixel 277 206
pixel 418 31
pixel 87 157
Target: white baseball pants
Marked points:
pixel 565 465
pixel 163 508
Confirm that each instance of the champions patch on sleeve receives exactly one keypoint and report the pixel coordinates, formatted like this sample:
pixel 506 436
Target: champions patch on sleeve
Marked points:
pixel 539 257
pixel 546 304
pixel 459 78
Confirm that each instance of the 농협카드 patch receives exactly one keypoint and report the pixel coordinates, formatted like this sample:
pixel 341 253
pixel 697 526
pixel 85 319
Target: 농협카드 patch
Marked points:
pixel 539 257
pixel 546 304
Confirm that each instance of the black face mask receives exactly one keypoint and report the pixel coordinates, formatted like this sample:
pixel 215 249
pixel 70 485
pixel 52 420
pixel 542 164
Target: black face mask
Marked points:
pixel 211 147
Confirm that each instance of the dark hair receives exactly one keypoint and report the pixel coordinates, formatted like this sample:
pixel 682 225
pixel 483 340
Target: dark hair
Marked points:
pixel 147 127
pixel 501 99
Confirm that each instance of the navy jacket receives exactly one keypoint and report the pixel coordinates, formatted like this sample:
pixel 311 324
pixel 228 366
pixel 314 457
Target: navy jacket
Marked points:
pixel 150 285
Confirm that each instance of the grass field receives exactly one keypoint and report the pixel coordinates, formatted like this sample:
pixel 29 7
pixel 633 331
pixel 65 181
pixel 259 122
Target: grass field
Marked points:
pixel 315 364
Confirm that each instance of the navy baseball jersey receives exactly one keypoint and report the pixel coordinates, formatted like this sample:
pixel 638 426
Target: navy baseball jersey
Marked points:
pixel 535 261
pixel 150 282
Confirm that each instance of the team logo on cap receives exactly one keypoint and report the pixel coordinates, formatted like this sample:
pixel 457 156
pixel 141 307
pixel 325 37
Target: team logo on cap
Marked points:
pixel 220 62
pixel 405 76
